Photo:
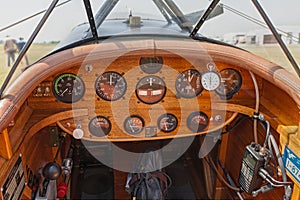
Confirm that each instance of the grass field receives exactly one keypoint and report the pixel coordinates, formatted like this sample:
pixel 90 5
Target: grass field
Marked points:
pixel 273 53
pixel 35 52
pixel 276 55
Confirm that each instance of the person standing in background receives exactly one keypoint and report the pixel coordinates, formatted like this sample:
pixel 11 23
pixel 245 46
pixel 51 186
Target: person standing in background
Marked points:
pixel 10 48
pixel 20 45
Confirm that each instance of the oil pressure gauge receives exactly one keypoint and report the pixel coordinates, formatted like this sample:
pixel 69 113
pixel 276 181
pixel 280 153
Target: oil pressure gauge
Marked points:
pixel 134 124
pixel 167 122
pixel 197 121
pixel 99 126
pixel 210 80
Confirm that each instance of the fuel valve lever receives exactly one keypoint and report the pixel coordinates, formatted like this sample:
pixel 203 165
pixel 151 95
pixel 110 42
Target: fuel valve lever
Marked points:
pixel 51 171
pixel 49 174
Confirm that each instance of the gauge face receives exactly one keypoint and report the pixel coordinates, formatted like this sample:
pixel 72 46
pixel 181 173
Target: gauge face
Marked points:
pixel 99 126
pixel 150 89
pixel 68 88
pixel 110 86
pixel 188 84
pixel 231 82
pixel 151 65
pixel 167 122
pixel 197 121
pixel 134 124
pixel 210 81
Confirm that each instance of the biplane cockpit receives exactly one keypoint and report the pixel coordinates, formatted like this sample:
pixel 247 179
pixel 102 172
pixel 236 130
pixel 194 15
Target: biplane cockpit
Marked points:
pixel 127 90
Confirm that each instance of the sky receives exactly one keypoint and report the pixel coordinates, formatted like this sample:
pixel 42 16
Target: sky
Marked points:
pixel 282 12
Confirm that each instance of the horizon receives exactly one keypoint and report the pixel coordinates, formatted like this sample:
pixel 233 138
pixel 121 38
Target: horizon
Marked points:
pixel 280 13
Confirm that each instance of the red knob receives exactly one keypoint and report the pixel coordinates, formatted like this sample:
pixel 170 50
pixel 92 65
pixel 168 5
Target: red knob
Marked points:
pixel 62 189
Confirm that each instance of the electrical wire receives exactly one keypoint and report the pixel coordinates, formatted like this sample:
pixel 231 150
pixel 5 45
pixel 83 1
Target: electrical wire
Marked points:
pixel 231 182
pixel 265 173
pixel 256 105
pixel 221 178
pixel 229 128
pixel 273 143
pixel 287 189
pixel 267 132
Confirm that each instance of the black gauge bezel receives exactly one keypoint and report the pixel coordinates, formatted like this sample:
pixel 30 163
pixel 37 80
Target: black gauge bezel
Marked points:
pixel 99 92
pixel 151 65
pixel 129 118
pixel 195 114
pixel 162 95
pixel 97 131
pixel 68 99
pixel 167 115
pixel 229 94
pixel 177 83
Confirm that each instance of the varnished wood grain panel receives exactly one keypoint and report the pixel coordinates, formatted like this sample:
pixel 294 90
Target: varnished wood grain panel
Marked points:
pixel 5 145
pixel 16 132
pixel 285 110
pixel 118 111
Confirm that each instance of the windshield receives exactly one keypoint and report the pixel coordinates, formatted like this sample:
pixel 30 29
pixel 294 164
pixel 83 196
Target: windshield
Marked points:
pixel 235 22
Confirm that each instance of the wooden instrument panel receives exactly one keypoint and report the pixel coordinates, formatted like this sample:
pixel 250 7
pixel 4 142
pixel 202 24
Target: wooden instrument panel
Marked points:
pixel 149 120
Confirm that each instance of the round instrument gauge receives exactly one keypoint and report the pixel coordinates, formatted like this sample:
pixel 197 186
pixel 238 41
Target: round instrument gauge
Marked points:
pixel 188 84
pixel 68 88
pixel 231 82
pixel 197 121
pixel 151 65
pixel 167 122
pixel 210 80
pixel 134 124
pixel 150 89
pixel 99 126
pixel 110 86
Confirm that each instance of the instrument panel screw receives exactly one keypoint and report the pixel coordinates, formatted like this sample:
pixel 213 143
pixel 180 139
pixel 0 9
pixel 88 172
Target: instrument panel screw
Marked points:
pixel 261 116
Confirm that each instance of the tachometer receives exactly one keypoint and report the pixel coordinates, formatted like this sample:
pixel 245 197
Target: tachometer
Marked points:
pixel 99 126
pixel 231 82
pixel 197 121
pixel 167 122
pixel 68 88
pixel 134 124
pixel 188 84
pixel 151 89
pixel 110 86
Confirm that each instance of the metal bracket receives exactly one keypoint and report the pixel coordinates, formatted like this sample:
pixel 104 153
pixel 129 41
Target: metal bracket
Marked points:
pixel 204 17
pixel 91 19
pixel 54 136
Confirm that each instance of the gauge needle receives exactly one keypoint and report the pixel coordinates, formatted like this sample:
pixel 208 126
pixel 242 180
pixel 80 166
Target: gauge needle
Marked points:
pixel 132 126
pixel 190 78
pixel 64 91
pixel 166 127
pixel 150 82
pixel 110 80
